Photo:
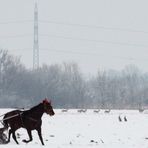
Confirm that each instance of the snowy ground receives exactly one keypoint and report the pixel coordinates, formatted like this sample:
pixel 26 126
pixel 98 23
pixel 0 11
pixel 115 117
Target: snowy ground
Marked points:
pixel 86 130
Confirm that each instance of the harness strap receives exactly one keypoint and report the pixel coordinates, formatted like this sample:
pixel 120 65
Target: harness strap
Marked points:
pixel 11 117
pixel 32 119
pixel 20 115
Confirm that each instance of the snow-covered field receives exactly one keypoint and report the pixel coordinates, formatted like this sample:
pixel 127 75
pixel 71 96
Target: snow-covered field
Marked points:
pixel 88 130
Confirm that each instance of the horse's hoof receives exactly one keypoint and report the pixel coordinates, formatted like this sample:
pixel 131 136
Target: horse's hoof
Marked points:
pixel 25 141
pixel 8 141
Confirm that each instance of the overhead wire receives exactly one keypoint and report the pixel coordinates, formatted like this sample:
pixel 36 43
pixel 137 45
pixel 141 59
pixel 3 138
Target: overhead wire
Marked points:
pixel 74 52
pixel 15 36
pixel 15 22
pixel 94 40
pixel 76 25
pixel 93 26
pixel 75 38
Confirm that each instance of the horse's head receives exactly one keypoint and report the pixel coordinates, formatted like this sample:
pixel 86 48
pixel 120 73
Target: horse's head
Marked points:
pixel 47 107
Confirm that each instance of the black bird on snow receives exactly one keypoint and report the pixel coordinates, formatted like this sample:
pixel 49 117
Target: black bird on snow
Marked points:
pixel 125 119
pixel 120 119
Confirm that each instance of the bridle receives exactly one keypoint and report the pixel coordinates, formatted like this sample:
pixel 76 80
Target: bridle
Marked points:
pixel 45 105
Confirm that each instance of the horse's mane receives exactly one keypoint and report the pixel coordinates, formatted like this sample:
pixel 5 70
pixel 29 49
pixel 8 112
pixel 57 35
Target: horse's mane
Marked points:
pixel 35 111
pixel 35 107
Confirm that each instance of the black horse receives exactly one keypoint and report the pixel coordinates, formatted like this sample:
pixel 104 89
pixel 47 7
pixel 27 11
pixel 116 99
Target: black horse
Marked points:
pixel 29 119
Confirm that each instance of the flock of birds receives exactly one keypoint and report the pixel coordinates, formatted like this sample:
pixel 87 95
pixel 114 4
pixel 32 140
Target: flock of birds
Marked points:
pixel 85 110
pixel 120 117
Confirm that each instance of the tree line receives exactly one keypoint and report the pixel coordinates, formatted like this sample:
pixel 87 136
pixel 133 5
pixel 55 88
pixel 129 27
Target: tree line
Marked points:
pixel 68 87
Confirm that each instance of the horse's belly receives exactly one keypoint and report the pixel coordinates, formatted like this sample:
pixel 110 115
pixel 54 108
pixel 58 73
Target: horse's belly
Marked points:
pixel 32 125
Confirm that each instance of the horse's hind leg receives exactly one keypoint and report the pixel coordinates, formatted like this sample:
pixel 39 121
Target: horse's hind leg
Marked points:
pixel 14 136
pixel 10 132
pixel 30 136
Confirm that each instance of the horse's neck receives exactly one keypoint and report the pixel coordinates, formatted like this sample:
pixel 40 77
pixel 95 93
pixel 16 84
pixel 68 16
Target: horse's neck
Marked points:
pixel 37 111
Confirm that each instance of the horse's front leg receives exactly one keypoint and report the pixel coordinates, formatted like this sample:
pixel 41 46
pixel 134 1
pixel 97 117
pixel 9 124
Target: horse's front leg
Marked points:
pixel 30 136
pixel 40 135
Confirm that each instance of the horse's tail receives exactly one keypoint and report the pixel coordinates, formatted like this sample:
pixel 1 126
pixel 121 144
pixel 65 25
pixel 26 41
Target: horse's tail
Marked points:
pixel 3 137
pixel 5 122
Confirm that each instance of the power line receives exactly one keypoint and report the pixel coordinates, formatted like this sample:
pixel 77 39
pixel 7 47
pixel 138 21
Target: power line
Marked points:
pixel 74 38
pixel 15 36
pixel 15 22
pixel 97 41
pixel 74 52
pixel 76 25
pixel 94 26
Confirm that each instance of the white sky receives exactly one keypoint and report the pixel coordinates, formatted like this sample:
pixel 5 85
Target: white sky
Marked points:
pixel 106 34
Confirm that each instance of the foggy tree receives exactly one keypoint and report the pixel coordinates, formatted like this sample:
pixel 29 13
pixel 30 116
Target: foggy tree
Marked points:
pixel 65 85
pixel 131 76
pixel 9 69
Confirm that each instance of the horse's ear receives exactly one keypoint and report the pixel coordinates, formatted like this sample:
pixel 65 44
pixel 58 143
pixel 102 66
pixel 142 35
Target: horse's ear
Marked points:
pixel 45 101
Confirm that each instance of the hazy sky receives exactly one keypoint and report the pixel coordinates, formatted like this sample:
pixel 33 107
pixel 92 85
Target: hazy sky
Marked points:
pixel 106 34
